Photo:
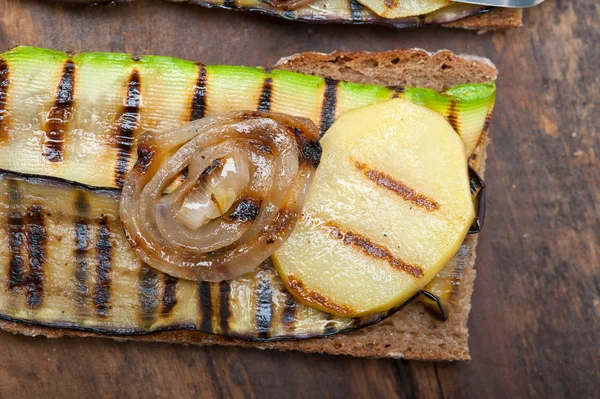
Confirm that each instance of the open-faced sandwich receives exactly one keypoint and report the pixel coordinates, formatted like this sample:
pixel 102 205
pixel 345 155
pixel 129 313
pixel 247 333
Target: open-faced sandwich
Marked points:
pixel 158 199
pixel 391 13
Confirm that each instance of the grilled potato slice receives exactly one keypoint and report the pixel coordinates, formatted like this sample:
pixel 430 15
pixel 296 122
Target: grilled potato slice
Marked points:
pixel 404 8
pixel 389 206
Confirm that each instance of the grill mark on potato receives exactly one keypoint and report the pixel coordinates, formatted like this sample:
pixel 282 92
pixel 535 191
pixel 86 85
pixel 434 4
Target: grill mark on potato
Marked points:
pixel 126 126
pixel 82 207
pixel 372 249
pixel 224 311
pixel 264 306
pixel 356 11
pixel 204 296
pixel 169 299
pixel 35 231
pixel 314 297
pixel 104 257
pixel 16 235
pixel 60 114
pixel 229 3
pixel 148 294
pixel 265 96
pixel 4 83
pixel 407 193
pixel 452 116
pixel 329 104
pixel 199 98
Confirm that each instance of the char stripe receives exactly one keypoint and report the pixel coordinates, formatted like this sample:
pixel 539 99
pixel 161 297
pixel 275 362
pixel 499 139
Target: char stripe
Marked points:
pixel 16 235
pixel 374 250
pixel 265 96
pixel 104 257
pixel 35 232
pixel 148 294
pixel 199 99
pixel 453 116
pixel 126 126
pixel 330 327
pixel 289 312
pixel 357 11
pixel 407 193
pixel 229 3
pixel 206 307
pixel 329 104
pixel 4 83
pixel 264 307
pixel 82 207
pixel 170 295
pixel 60 114
pixel 224 311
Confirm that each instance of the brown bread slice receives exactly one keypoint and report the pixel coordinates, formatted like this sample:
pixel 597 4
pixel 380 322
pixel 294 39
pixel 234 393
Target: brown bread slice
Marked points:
pixel 411 333
pixel 498 19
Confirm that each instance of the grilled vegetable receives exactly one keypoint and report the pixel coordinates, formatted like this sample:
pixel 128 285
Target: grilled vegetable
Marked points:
pixel 246 177
pixel 78 117
pixel 66 264
pixel 404 8
pixel 348 12
pixel 389 207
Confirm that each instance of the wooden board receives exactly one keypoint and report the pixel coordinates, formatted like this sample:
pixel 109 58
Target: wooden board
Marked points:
pixel 535 324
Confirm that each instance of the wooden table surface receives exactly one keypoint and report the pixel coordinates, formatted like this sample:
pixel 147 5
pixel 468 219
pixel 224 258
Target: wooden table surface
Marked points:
pixel 535 322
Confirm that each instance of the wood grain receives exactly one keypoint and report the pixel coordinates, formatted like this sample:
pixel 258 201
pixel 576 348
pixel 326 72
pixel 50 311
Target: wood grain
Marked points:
pixel 535 325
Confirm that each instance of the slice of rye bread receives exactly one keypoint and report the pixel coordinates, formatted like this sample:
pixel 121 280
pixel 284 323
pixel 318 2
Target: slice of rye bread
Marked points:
pixel 411 333
pixel 498 19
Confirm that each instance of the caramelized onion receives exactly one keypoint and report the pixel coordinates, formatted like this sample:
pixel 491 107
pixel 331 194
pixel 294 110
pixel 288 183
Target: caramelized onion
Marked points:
pixel 213 199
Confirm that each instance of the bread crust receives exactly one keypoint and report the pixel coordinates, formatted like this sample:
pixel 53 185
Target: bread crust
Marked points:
pixel 410 333
pixel 499 19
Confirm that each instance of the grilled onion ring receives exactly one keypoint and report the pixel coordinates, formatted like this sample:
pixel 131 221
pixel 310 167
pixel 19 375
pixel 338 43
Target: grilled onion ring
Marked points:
pixel 245 176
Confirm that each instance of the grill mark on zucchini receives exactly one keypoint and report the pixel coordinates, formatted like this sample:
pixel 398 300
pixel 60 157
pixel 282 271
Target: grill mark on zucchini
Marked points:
pixel 329 104
pixel 4 83
pixel 356 11
pixel 126 126
pixel 148 294
pixel 60 114
pixel 452 116
pixel 374 250
pixel 264 307
pixel 329 327
pixel 36 251
pixel 224 311
pixel 82 208
pixel 169 299
pixel 289 312
pixel 16 235
pixel 407 193
pixel 104 257
pixel 199 98
pixel 204 296
pixel 265 95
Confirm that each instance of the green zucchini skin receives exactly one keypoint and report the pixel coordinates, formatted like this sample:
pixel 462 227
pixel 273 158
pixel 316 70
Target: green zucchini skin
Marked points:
pixel 78 117
pixel 68 130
